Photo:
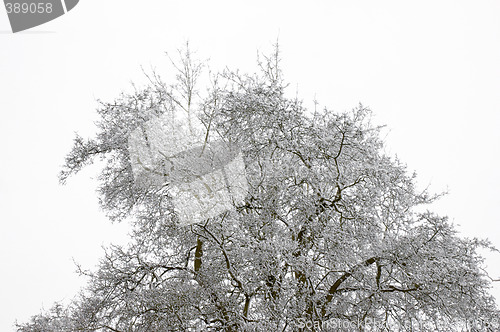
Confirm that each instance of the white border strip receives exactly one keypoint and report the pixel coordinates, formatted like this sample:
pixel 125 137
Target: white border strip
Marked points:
pixel 64 6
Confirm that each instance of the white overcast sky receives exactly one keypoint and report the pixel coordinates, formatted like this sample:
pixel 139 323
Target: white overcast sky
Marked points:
pixel 430 71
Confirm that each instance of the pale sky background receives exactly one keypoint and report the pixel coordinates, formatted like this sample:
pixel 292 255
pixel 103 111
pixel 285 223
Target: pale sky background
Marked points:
pixel 430 71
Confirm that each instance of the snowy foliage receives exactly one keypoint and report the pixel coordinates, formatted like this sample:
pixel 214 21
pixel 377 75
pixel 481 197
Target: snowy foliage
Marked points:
pixel 331 230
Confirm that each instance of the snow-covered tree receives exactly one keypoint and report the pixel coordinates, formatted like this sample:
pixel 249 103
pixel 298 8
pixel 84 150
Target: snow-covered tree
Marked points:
pixel 326 231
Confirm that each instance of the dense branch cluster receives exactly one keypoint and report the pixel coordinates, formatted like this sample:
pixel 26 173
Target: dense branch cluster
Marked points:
pixel 331 229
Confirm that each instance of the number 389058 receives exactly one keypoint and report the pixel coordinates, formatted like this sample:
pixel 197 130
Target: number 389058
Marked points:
pixel 29 8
